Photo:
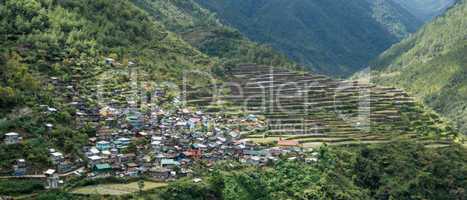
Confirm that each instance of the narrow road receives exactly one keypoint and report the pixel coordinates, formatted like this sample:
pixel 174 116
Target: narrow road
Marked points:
pixel 39 176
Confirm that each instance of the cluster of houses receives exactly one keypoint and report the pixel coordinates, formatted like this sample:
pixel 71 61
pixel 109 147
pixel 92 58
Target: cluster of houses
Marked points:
pixel 165 143
pixel 158 141
pixel 162 144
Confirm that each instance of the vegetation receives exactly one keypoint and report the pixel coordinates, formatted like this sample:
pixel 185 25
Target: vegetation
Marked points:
pixel 335 37
pixel 431 65
pixel 400 170
pixel 18 187
pixel 200 27
pixel 388 171
pixel 118 189
pixel 69 40
pixel 425 10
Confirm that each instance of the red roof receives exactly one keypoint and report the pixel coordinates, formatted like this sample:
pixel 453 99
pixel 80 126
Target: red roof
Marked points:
pixel 193 153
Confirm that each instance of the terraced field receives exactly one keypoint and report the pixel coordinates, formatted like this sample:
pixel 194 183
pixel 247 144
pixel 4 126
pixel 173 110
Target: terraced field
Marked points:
pixel 116 189
pixel 314 109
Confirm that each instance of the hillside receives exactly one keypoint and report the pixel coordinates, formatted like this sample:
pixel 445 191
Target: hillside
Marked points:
pixel 52 55
pixel 313 109
pixel 431 65
pixel 146 99
pixel 426 10
pixel 200 27
pixel 334 37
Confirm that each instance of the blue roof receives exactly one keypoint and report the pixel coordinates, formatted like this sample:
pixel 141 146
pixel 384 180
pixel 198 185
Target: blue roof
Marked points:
pixel 169 162
pixel 103 166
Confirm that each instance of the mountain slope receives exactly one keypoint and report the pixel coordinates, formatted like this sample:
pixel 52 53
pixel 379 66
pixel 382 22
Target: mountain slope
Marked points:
pixel 425 9
pixel 69 40
pixel 432 65
pixel 200 27
pixel 335 37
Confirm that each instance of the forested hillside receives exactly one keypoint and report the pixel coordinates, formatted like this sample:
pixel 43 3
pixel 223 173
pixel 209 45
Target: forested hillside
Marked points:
pixel 201 28
pixel 335 37
pixel 68 40
pixel 89 90
pixel 426 9
pixel 432 65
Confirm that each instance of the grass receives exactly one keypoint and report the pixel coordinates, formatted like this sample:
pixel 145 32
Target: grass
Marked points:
pixel 266 140
pixel 116 189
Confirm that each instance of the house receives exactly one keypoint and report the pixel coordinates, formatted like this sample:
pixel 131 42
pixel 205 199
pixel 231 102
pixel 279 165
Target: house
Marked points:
pixel 134 120
pixel 122 142
pixel 254 160
pixel 159 173
pixel 93 152
pixel 193 153
pixel 169 163
pixel 103 145
pixel 64 167
pixel 156 145
pixel 12 138
pixel 52 179
pixel 124 158
pixel 19 168
pixel 255 152
pixel 57 157
pixel 94 160
pixel 132 169
pixel 102 168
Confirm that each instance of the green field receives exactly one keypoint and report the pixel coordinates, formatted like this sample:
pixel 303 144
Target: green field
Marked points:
pixel 116 189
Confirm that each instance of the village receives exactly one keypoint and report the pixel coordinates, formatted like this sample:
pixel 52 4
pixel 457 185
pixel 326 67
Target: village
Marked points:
pixel 162 135
pixel 162 140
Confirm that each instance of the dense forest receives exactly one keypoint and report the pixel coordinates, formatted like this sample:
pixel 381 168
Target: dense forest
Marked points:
pixel 426 9
pixel 203 30
pixel 431 64
pixel 335 37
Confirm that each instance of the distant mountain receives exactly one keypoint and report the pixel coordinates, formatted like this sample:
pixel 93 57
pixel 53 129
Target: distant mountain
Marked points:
pixel 425 9
pixel 200 27
pixel 432 64
pixel 335 37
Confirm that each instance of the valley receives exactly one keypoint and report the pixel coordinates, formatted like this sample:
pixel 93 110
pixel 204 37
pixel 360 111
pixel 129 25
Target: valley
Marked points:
pixel 431 65
pixel 335 38
pixel 236 100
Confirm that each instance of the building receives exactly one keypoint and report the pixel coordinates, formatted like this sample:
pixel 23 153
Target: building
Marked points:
pixel 102 168
pixel 103 145
pixel 94 160
pixel 57 157
pixel 169 163
pixel 134 120
pixel 64 166
pixel 159 173
pixel 19 168
pixel 12 138
pixel 122 142
pixel 193 153
pixel 52 179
